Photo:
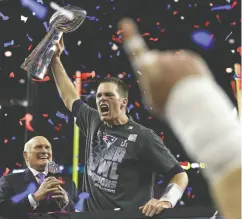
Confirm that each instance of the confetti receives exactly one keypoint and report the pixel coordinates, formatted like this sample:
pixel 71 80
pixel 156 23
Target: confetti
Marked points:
pixel 30 39
pixel 27 118
pixel 11 75
pixel 5 18
pixel 39 10
pixel 239 50
pixel 6 171
pixel 80 204
pixel 68 14
pixel 46 26
pixel 91 18
pixel 23 18
pixel 203 38
pixel 31 188
pixel 46 78
pixel 63 116
pixel 222 7
pixel 11 43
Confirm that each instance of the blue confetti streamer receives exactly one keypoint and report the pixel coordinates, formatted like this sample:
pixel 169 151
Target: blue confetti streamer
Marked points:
pixel 80 204
pixel 10 43
pixel 137 116
pixel 203 38
pixel 31 188
pixel 40 10
pixel 91 18
pixel 5 18
pixel 30 39
pixel 221 7
pixel 50 121
pixel 46 26
pixel 63 116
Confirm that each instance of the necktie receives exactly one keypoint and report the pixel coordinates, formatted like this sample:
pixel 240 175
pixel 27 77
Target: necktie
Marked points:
pixel 41 177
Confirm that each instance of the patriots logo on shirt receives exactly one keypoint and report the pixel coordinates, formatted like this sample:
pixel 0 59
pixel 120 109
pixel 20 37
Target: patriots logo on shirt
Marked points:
pixel 109 140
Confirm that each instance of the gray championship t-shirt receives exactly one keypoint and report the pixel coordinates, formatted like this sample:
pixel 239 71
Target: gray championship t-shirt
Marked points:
pixel 120 161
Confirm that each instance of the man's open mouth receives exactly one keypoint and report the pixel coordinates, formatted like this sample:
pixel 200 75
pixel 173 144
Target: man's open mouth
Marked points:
pixel 104 109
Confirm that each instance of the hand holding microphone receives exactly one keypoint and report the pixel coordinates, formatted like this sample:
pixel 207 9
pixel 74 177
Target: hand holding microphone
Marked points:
pixel 50 185
pixel 58 194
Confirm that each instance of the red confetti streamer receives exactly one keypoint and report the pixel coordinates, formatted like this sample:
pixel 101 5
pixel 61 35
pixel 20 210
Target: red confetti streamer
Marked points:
pixel 207 23
pixel 163 30
pixel 5 141
pixel 11 75
pixel 175 12
pixel 84 76
pixel 45 115
pixel 6 172
pixel 239 50
pixel 162 136
pixel 57 128
pixel 154 39
pixel 137 104
pixel 145 34
pixel 218 17
pixel 30 47
pixel 196 26
pixel 18 164
pixel 185 163
pixel 47 78
pixel 234 4
pixel 61 179
pixel 28 118
pixel 233 23
pixel 116 39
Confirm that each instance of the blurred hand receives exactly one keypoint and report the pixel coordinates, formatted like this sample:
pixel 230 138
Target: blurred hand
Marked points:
pixel 158 71
pixel 59 48
pixel 154 206
pixel 48 186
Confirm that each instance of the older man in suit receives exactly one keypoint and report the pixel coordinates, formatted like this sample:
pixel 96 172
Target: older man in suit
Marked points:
pixel 32 191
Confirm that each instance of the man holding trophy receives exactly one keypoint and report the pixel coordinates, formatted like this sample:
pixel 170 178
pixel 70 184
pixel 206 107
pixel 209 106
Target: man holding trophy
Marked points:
pixel 121 155
pixel 111 102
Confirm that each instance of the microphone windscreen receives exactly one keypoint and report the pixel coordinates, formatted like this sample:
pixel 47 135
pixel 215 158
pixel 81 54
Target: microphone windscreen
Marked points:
pixel 52 168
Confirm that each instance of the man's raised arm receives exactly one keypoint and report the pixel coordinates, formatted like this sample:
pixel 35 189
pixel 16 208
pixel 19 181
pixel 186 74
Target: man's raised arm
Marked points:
pixel 64 85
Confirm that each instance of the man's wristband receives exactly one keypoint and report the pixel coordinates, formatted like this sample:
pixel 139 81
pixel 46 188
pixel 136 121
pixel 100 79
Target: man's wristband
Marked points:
pixel 172 194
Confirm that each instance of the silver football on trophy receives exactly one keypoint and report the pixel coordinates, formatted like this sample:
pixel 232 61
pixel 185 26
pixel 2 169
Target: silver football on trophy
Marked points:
pixel 38 61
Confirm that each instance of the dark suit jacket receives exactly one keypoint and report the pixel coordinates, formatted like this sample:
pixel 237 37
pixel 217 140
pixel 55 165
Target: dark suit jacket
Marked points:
pixel 17 183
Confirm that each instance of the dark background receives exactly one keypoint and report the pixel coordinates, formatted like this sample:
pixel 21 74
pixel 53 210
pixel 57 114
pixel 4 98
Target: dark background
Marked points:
pixel 160 18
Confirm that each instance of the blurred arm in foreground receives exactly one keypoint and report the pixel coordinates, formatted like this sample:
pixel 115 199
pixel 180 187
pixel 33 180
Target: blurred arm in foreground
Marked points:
pixel 181 90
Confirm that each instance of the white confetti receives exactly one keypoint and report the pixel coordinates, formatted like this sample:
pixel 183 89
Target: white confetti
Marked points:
pixel 63 11
pixel 228 35
pixel 24 18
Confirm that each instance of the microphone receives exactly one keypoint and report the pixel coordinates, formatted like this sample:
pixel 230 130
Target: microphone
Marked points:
pixel 52 169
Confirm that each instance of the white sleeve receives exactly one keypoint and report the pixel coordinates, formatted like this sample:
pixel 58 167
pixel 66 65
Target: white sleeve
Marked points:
pixel 32 202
